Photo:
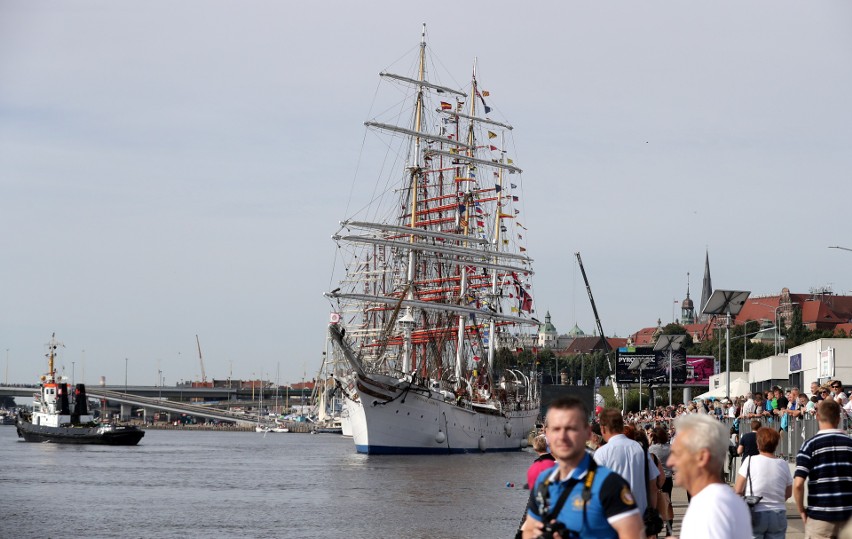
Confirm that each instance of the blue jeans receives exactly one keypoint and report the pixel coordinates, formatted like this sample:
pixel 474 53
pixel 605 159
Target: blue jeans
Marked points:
pixel 769 524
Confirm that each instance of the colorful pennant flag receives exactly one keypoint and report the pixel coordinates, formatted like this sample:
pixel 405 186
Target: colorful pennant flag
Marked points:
pixel 445 106
pixel 484 104
pixel 492 134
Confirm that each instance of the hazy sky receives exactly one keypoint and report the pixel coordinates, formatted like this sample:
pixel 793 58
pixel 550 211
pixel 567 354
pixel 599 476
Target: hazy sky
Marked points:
pixel 170 169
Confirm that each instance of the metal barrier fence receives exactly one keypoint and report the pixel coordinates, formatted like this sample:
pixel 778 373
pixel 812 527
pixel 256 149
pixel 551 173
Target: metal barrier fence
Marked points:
pixel 796 432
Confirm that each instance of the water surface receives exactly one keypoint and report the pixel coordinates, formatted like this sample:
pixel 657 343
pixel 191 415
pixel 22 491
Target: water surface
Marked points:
pixel 181 484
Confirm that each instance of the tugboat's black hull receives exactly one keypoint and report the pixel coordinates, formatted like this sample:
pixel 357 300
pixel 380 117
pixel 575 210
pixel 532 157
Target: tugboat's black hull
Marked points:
pixel 119 435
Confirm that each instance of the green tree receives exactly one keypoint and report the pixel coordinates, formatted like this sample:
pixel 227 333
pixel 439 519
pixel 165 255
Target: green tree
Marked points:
pixel 797 333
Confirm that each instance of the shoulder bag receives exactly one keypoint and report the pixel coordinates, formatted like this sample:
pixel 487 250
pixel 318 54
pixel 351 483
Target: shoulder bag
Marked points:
pixel 752 500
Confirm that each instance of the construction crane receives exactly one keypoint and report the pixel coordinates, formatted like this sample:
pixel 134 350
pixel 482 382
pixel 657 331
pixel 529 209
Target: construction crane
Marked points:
pixel 607 348
pixel 201 359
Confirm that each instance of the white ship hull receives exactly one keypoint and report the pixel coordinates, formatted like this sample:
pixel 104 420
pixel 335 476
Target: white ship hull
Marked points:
pixel 345 421
pixel 416 420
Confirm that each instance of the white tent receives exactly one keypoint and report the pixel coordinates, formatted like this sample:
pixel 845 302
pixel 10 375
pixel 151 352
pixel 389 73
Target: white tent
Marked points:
pixel 739 386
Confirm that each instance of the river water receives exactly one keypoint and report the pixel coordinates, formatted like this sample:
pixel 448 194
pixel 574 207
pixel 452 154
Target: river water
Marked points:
pixel 185 484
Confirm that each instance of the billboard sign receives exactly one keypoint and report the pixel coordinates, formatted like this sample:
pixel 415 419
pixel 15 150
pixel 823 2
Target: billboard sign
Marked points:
pixel 826 363
pixel 699 369
pixel 656 369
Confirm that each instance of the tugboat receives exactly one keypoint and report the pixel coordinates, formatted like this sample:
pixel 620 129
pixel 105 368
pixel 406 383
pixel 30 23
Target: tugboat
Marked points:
pixel 52 419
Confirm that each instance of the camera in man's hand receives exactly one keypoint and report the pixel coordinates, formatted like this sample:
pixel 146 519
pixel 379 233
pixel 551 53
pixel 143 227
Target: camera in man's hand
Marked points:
pixel 557 527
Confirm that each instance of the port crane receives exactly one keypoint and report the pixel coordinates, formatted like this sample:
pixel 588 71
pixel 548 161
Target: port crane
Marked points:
pixel 607 348
pixel 201 360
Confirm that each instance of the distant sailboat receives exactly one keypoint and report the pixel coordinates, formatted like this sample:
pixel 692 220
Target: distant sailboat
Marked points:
pixel 260 427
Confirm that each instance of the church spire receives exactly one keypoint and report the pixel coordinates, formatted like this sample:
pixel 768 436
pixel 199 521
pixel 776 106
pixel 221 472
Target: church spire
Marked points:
pixel 687 309
pixel 707 289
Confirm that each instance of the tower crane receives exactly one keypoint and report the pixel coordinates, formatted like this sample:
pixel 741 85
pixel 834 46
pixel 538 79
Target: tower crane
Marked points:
pixel 201 360
pixel 607 348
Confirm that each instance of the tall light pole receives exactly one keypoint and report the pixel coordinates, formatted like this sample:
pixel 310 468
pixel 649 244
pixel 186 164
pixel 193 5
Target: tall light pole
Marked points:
pixel 726 302
pixel 125 376
pixel 72 373
pixel 6 378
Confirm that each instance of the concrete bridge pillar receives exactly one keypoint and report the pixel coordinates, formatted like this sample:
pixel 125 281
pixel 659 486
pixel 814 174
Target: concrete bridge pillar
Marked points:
pixel 126 411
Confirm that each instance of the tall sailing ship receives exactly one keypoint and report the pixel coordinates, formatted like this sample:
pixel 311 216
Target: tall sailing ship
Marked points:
pixel 437 281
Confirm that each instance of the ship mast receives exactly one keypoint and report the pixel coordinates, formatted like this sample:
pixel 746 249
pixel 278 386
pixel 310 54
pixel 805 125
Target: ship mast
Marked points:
pixel 497 230
pixel 52 345
pixel 465 223
pixel 407 321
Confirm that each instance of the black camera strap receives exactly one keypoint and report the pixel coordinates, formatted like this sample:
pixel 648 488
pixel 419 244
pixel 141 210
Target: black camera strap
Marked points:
pixel 549 513
pixel 748 475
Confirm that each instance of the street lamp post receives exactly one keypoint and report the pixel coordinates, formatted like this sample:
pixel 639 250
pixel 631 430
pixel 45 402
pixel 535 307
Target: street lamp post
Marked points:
pixel 125 376
pixel 726 302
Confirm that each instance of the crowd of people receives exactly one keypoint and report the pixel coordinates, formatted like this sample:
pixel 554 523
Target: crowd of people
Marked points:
pixel 774 404
pixel 614 477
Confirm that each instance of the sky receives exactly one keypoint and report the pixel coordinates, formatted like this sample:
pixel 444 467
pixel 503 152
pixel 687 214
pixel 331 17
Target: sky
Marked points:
pixel 173 169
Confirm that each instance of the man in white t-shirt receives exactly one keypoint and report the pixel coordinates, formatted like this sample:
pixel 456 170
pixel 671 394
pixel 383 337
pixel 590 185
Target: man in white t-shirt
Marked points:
pixel 698 454
pixel 748 407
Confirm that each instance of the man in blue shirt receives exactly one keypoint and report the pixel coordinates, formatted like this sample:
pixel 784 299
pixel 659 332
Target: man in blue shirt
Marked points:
pixel 598 502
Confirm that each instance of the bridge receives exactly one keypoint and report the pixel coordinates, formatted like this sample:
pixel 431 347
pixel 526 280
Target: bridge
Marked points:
pixel 214 404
